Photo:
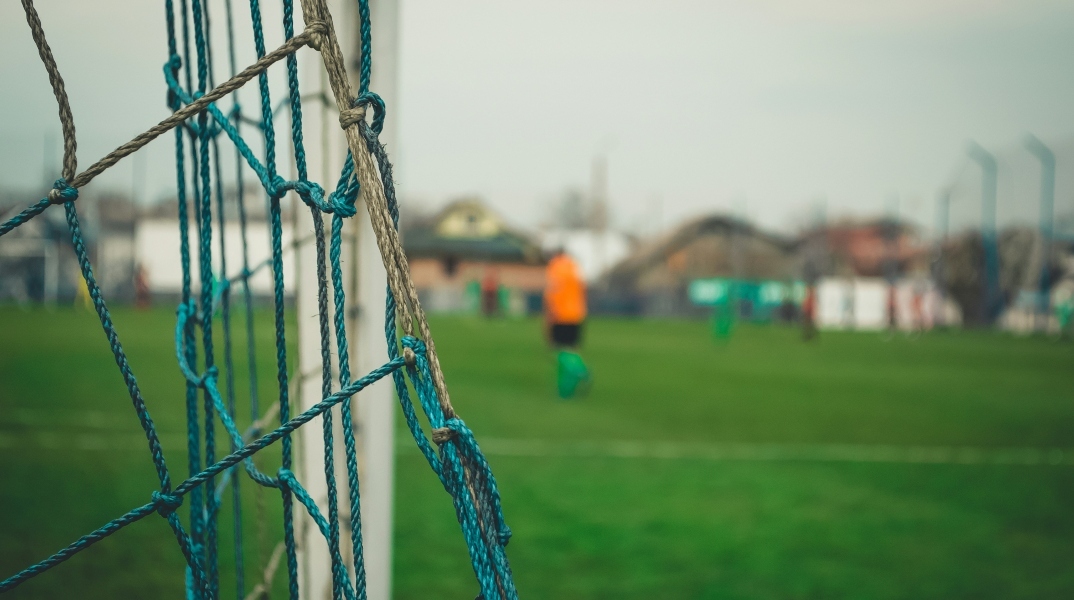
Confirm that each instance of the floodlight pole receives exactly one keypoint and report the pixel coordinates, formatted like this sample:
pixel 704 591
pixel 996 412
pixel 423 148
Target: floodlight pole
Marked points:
pixel 373 409
pixel 989 176
pixel 943 213
pixel 943 218
pixel 1047 209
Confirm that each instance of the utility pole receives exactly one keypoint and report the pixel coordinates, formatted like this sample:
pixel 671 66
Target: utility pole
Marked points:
pixel 943 218
pixel 1047 212
pixel 598 218
pixel 989 170
pixel 50 248
pixel 892 231
pixel 365 282
pixel 598 192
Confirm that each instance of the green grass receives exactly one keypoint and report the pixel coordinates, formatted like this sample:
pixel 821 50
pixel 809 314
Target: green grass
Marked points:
pixel 600 526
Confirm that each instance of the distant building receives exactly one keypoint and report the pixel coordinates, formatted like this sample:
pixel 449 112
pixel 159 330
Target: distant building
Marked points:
pixel 453 252
pixel 116 219
pixel 655 279
pixel 1022 276
pixel 37 262
pixel 854 266
pixel 882 248
pixel 157 245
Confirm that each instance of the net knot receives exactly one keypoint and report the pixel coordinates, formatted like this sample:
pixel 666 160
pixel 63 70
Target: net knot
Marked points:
pixel 285 477
pixel 62 192
pixel 171 74
pixel 343 205
pixel 413 344
pixel 453 428
pixel 317 31
pixel 374 101
pixel 443 434
pixel 166 503
pixel 277 187
pixel 210 373
pixel 351 116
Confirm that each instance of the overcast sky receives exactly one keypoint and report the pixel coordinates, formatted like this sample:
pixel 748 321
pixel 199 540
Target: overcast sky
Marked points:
pixel 765 108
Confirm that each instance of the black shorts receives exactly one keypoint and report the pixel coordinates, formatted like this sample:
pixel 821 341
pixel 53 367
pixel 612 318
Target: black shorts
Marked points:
pixel 566 335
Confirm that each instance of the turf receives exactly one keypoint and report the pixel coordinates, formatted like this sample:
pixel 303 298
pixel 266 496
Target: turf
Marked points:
pixel 599 526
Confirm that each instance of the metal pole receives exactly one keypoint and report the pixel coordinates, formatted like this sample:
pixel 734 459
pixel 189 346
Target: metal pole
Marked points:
pixel 325 149
pixel 376 405
pixel 989 176
pixel 52 272
pixel 943 214
pixel 1047 211
pixel 943 217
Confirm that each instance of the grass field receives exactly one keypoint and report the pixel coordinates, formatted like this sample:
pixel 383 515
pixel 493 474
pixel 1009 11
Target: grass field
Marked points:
pixel 760 468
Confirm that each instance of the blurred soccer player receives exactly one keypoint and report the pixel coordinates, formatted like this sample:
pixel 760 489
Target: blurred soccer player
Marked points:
pixel 565 312
pixel 490 293
pixel 809 314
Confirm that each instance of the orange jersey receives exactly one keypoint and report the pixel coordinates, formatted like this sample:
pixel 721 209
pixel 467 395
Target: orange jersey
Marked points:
pixel 564 292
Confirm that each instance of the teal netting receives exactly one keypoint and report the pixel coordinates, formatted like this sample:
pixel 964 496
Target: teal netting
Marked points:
pixel 198 124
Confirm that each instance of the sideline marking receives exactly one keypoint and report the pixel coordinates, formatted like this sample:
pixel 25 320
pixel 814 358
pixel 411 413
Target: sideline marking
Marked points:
pixel 96 430
pixel 860 453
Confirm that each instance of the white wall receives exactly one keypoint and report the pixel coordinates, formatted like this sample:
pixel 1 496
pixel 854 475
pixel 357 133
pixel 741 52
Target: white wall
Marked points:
pixel 831 296
pixel 870 303
pixel 852 303
pixel 157 245
pixel 861 303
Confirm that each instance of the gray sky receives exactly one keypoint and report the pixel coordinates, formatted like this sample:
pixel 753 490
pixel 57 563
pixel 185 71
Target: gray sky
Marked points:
pixel 761 107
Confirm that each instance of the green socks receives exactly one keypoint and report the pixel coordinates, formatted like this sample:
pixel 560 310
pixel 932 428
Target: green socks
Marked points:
pixel 572 375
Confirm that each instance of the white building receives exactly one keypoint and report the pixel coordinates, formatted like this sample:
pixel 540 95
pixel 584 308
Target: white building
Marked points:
pixel 157 247
pixel 861 303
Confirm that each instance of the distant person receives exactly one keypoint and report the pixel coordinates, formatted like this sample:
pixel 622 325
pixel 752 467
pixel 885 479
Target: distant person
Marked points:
pixel 490 293
pixel 1064 314
pixel 565 312
pixel 893 309
pixel 142 298
pixel 849 320
pixel 809 313
pixel 82 295
pixel 917 309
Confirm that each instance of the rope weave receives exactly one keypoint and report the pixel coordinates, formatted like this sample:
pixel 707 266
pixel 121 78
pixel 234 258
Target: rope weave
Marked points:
pixel 198 122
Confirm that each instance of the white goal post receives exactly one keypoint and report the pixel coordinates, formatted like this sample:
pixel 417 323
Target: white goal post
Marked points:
pixel 365 282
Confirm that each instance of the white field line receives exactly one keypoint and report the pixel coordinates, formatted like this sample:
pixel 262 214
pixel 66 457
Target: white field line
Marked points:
pixel 85 441
pixel 96 430
pixel 857 453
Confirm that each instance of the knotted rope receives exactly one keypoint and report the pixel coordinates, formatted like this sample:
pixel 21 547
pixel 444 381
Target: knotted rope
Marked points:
pixel 367 172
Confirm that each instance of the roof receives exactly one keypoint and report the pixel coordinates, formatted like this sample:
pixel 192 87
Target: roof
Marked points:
pixel 468 230
pixel 657 252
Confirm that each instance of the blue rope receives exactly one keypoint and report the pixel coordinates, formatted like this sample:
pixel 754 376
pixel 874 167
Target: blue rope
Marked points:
pixel 206 276
pixel 196 480
pixel 197 517
pixel 350 450
pixel 456 458
pixel 25 216
pixel 236 496
pixel 477 502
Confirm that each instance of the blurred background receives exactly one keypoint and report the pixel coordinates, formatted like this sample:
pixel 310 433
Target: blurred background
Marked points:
pixel 829 254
